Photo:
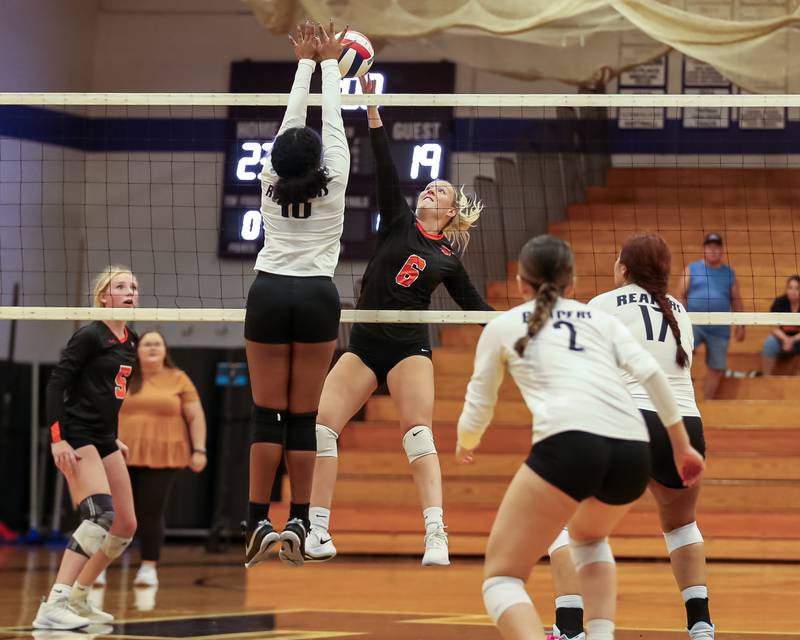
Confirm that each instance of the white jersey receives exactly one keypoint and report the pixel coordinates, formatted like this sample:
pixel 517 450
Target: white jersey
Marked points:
pixel 637 310
pixel 569 375
pixel 303 239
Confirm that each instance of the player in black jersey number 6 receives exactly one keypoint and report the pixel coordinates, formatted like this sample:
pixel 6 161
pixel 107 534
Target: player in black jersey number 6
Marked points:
pixel 417 251
pixel 292 317
pixel 84 394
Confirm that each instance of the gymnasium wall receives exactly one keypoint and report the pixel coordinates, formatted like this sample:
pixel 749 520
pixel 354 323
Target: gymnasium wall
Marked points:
pixel 47 45
pixel 163 204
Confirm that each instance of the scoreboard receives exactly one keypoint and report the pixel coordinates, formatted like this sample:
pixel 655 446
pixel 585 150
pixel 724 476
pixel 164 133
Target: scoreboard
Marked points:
pixel 419 137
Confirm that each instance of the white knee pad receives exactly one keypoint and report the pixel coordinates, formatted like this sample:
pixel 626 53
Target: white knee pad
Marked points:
pixel 585 554
pixel 418 443
pixel 683 537
pixel 502 592
pixel 113 546
pixel 97 515
pixel 87 538
pixel 561 541
pixel 326 442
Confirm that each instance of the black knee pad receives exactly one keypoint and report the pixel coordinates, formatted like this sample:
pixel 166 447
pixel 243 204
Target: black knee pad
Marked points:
pixel 97 516
pixel 268 425
pixel 301 432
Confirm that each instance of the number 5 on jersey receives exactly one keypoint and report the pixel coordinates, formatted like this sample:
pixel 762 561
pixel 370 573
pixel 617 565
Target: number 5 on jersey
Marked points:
pixel 410 271
pixel 121 381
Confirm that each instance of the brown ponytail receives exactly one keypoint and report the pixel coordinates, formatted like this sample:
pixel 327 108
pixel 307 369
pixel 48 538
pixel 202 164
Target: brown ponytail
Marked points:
pixel 546 298
pixel 666 308
pixel 647 259
pixel 547 264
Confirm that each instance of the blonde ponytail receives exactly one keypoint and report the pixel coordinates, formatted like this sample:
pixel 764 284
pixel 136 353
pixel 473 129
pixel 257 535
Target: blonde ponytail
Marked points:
pixel 468 210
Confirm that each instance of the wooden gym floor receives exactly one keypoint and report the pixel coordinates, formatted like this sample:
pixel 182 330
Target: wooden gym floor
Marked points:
pixel 212 597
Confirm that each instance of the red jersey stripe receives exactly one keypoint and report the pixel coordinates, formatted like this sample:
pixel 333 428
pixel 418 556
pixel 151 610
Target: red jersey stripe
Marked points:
pixel 432 236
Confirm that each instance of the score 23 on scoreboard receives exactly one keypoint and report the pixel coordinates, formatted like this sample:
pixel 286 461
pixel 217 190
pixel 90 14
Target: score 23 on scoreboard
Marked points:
pixel 420 143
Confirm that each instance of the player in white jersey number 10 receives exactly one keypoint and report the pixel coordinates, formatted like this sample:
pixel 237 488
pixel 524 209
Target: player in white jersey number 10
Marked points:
pixel 590 459
pixel 292 318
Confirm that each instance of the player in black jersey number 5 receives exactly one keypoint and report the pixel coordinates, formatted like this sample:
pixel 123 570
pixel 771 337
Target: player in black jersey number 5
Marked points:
pixel 84 395
pixel 417 251
pixel 292 317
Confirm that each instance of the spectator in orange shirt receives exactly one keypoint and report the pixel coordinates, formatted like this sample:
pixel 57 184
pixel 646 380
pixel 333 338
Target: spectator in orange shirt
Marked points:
pixel 163 423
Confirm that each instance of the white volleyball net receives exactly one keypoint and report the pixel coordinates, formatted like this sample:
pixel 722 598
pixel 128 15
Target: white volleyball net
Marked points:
pixel 168 184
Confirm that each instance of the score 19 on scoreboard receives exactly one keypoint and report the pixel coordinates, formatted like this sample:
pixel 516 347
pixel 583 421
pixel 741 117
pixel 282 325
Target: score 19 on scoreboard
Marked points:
pixel 419 139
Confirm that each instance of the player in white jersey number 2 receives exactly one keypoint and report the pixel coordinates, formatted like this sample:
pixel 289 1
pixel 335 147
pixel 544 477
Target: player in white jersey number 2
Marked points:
pixel 661 325
pixel 590 458
pixel 292 318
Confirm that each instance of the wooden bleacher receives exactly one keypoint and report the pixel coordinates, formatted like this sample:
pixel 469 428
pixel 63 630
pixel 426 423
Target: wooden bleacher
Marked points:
pixel 750 505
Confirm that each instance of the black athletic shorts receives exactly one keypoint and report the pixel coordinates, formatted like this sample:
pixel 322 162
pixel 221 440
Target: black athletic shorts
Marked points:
pixel 664 471
pixel 105 445
pixel 584 465
pixel 285 309
pixel 381 356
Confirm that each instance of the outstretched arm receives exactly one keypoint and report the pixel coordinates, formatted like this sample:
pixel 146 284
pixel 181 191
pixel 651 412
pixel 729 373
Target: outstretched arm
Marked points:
pixel 391 202
pixel 461 289
pixel 334 141
pixel 305 48
pixel 482 391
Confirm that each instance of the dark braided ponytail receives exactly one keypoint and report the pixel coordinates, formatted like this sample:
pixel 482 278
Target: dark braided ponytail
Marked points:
pixel 647 259
pixel 547 264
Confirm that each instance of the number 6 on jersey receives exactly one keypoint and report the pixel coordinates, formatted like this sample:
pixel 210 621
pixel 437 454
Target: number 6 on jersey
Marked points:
pixel 410 271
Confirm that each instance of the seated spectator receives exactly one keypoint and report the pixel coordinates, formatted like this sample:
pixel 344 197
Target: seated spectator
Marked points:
pixel 784 340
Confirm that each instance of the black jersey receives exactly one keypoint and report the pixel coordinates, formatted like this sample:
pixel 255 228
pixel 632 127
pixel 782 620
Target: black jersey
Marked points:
pixel 409 263
pixel 87 387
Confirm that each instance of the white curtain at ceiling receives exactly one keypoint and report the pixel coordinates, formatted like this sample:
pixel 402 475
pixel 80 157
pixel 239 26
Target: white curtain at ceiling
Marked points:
pixel 752 42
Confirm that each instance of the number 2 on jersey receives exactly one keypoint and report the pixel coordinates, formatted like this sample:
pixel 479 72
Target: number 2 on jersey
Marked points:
pixel 573 335
pixel 410 271
pixel 121 381
pixel 648 325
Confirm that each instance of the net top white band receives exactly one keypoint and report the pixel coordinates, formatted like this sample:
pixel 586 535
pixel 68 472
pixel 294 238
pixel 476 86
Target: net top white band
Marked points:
pixel 405 100
pixel 348 315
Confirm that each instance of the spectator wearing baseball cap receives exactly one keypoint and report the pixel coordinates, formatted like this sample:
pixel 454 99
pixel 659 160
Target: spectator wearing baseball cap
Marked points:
pixel 711 285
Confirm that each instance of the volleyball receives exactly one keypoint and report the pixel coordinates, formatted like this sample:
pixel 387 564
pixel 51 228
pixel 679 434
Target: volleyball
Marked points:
pixel 357 54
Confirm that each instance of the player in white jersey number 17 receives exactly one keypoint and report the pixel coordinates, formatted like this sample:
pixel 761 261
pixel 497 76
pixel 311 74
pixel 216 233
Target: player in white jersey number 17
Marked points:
pixel 662 326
